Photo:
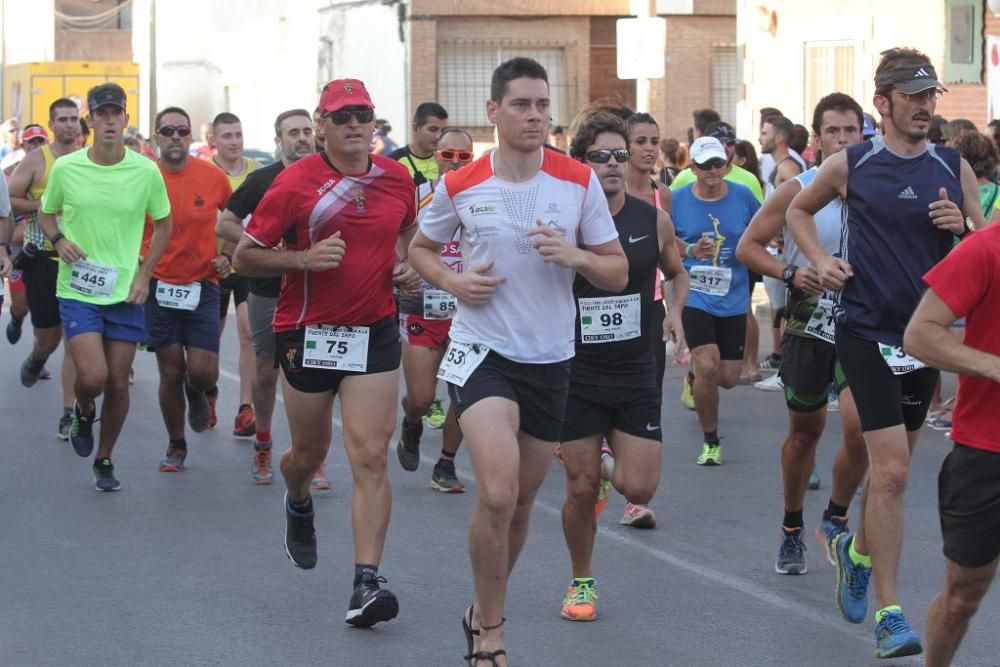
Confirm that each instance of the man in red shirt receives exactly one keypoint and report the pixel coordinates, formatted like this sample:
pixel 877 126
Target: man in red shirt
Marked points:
pixel 335 224
pixel 965 284
pixel 182 313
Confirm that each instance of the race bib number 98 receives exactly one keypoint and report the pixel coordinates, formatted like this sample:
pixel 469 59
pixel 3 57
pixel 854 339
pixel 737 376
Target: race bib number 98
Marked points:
pixel 92 279
pixel 611 318
pixel 336 348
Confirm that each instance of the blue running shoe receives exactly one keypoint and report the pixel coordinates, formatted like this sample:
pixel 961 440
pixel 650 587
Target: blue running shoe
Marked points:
pixel 852 581
pixel 104 476
pixel 791 553
pixel 827 531
pixel 81 432
pixel 893 636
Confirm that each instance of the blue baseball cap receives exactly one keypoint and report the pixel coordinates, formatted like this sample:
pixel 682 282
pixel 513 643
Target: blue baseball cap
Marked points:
pixel 869 129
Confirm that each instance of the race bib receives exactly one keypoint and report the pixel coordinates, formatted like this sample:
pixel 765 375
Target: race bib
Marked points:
pixel 899 362
pixel 611 318
pixel 180 297
pixel 821 324
pixel 711 280
pixel 336 348
pixel 92 279
pixel 459 361
pixel 438 304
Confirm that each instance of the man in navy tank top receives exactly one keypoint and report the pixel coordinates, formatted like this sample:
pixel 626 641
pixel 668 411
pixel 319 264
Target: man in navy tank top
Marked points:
pixel 905 201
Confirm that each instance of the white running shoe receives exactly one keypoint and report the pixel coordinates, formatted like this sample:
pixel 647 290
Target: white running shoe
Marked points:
pixel 772 383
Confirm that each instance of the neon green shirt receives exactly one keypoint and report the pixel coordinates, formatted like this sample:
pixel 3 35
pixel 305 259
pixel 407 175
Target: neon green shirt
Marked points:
pixel 104 212
pixel 425 165
pixel 736 175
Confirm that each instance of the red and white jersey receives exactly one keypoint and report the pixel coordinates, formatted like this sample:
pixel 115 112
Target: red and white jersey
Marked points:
pixel 309 201
pixel 530 318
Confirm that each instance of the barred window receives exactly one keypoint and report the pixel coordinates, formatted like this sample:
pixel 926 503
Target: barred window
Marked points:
pixel 465 69
pixel 829 67
pixel 725 86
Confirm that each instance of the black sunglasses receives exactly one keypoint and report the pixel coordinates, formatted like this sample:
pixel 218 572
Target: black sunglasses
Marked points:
pixel 714 163
pixel 603 155
pixel 343 116
pixel 168 130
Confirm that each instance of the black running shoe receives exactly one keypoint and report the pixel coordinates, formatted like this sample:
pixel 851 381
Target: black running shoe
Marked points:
pixel 408 449
pixel 371 604
pixel 104 476
pixel 14 329
pixel 31 369
pixel 81 432
pixel 300 537
pixel 198 409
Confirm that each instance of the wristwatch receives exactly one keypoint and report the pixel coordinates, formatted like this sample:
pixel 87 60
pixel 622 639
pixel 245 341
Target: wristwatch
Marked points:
pixel 788 275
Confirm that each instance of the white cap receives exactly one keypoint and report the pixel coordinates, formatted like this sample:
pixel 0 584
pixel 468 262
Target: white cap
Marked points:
pixel 705 148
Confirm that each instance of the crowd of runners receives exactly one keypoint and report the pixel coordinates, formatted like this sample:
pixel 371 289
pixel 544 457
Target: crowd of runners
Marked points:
pixel 539 286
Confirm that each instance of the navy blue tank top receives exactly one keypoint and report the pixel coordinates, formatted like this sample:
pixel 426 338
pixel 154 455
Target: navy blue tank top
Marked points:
pixel 889 238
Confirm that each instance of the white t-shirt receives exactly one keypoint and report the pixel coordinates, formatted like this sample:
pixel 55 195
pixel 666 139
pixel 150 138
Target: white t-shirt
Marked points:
pixel 531 316
pixel 4 198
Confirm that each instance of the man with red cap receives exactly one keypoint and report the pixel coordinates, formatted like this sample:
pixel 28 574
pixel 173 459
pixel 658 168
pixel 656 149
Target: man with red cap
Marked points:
pixel 337 224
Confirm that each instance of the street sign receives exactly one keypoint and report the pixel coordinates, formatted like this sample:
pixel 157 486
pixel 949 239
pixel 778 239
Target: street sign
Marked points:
pixel 641 46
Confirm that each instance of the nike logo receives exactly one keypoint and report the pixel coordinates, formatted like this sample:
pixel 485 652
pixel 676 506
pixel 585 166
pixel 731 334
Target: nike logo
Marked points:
pixel 632 240
pixel 650 427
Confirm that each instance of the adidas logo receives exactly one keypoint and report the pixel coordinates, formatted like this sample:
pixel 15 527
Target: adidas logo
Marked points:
pixel 908 193
pixel 921 72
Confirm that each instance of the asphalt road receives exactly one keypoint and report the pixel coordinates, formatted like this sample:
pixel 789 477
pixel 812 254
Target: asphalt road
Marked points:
pixel 188 569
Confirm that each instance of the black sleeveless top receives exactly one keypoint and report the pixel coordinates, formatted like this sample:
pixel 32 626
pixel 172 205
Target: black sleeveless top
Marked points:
pixel 613 329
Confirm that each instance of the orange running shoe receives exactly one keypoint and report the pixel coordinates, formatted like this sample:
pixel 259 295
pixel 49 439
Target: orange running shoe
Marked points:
pixel 245 424
pixel 320 482
pixel 261 470
pixel 213 396
pixel 580 603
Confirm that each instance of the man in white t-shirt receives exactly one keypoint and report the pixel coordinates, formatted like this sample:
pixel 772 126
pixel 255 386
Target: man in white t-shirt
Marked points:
pixel 530 220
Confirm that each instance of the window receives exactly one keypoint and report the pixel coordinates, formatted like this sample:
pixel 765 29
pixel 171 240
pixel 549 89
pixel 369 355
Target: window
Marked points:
pixel 964 30
pixel 725 84
pixel 830 68
pixel 465 68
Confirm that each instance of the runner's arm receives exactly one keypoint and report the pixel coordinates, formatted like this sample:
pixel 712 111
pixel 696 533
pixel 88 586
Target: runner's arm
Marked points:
pixel 425 257
pixel 229 228
pixel 6 232
pixel 20 181
pixel 929 339
pixel 670 262
pixel 605 266
pixel 764 226
pixel 970 197
pixel 830 182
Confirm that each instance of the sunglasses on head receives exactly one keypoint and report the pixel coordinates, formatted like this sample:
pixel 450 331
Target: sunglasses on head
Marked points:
pixel 603 155
pixel 450 155
pixel 343 116
pixel 169 130
pixel 714 163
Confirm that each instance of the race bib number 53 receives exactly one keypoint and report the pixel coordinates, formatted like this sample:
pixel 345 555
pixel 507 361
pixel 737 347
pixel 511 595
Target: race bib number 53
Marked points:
pixel 459 361
pixel 336 348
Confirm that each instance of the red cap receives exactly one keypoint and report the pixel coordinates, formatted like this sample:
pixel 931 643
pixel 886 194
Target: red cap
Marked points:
pixel 341 93
pixel 34 132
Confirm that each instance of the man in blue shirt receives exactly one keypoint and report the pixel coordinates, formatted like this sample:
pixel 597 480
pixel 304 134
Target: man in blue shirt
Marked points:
pixel 711 215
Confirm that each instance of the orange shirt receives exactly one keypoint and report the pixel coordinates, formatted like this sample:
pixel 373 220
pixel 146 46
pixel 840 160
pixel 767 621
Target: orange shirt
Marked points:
pixel 197 193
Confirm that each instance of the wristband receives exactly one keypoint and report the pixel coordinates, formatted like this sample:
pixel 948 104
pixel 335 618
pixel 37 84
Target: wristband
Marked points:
pixel 687 250
pixel 56 239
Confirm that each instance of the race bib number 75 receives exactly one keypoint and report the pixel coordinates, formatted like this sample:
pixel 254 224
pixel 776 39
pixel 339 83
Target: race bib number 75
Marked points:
pixel 336 348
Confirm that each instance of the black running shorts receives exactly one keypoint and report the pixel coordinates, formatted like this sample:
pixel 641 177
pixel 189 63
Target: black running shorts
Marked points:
pixel 809 369
pixel 969 506
pixel 593 410
pixel 728 333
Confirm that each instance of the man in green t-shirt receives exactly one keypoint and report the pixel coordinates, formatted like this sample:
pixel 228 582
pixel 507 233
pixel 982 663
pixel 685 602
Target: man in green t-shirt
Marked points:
pixel 429 122
pixel 725 134
pixel 104 193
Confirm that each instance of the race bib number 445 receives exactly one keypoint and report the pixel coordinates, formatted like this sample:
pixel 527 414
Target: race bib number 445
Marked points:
pixel 92 279
pixel 336 348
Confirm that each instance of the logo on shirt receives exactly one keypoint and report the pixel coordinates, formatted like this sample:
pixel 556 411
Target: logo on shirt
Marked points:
pixel 198 201
pixel 326 186
pixel 359 202
pixel 632 239
pixel 291 358
pixel 480 232
pixel 908 193
pixel 553 207
pixel 477 210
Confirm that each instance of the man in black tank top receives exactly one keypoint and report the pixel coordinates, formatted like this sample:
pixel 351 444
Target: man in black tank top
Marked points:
pixel 613 393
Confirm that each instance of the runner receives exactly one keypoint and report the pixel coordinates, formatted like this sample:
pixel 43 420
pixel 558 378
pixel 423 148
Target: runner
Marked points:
pixel 809 366
pixel 347 210
pixel 182 326
pixel 429 120
pixel 529 217
pixel 424 323
pixel 104 193
pixel 294 137
pixel 40 264
pixel 227 140
pixel 612 391
pixel 6 234
pixel 906 200
pixel 711 215
pixel 964 285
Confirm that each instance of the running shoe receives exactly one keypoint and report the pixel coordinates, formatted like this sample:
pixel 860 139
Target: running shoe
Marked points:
pixel 601 499
pixel 772 383
pixel 104 476
pixel 770 363
pixel 852 581
pixel 833 402
pixel 198 411
pixel 371 604
pixel 408 448
pixel 711 455
pixel 814 480
pixel 81 432
pixel 791 553
pixel 580 603
pixel 444 479
pixel 687 392
pixel 65 425
pixel 940 423
pixel 893 636
pixel 827 533
pixel 300 537
pixel 174 459
pixel 30 370
pixel 14 329
pixel 638 516
pixel 245 424
pixel 607 462
pixel 320 482
pixel 213 396
pixel 260 471
pixel 44 374
pixel 435 416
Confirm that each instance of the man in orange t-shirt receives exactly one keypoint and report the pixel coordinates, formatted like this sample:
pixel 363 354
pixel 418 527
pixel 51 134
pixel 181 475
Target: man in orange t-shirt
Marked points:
pixel 182 313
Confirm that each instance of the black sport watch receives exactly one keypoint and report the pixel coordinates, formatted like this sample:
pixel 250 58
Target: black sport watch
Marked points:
pixel 788 275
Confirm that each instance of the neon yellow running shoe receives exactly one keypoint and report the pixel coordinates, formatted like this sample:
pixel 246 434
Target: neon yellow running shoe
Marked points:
pixel 601 501
pixel 435 415
pixel 687 393
pixel 711 455
pixel 580 603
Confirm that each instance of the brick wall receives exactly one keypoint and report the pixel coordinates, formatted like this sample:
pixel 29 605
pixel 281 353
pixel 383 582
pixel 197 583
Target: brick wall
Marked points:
pixel 604 81
pixel 520 7
pixel 969 100
pixel 422 40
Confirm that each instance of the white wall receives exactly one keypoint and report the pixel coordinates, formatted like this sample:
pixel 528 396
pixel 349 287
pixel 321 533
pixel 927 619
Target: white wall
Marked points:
pixel 28 31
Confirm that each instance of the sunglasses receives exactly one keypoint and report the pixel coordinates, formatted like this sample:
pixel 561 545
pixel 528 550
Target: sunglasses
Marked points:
pixel 169 130
pixel 603 155
pixel 343 116
pixel 714 163
pixel 450 155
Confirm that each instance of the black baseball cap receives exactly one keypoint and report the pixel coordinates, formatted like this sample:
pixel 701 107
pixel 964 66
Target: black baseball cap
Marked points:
pixel 722 131
pixel 911 79
pixel 106 97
